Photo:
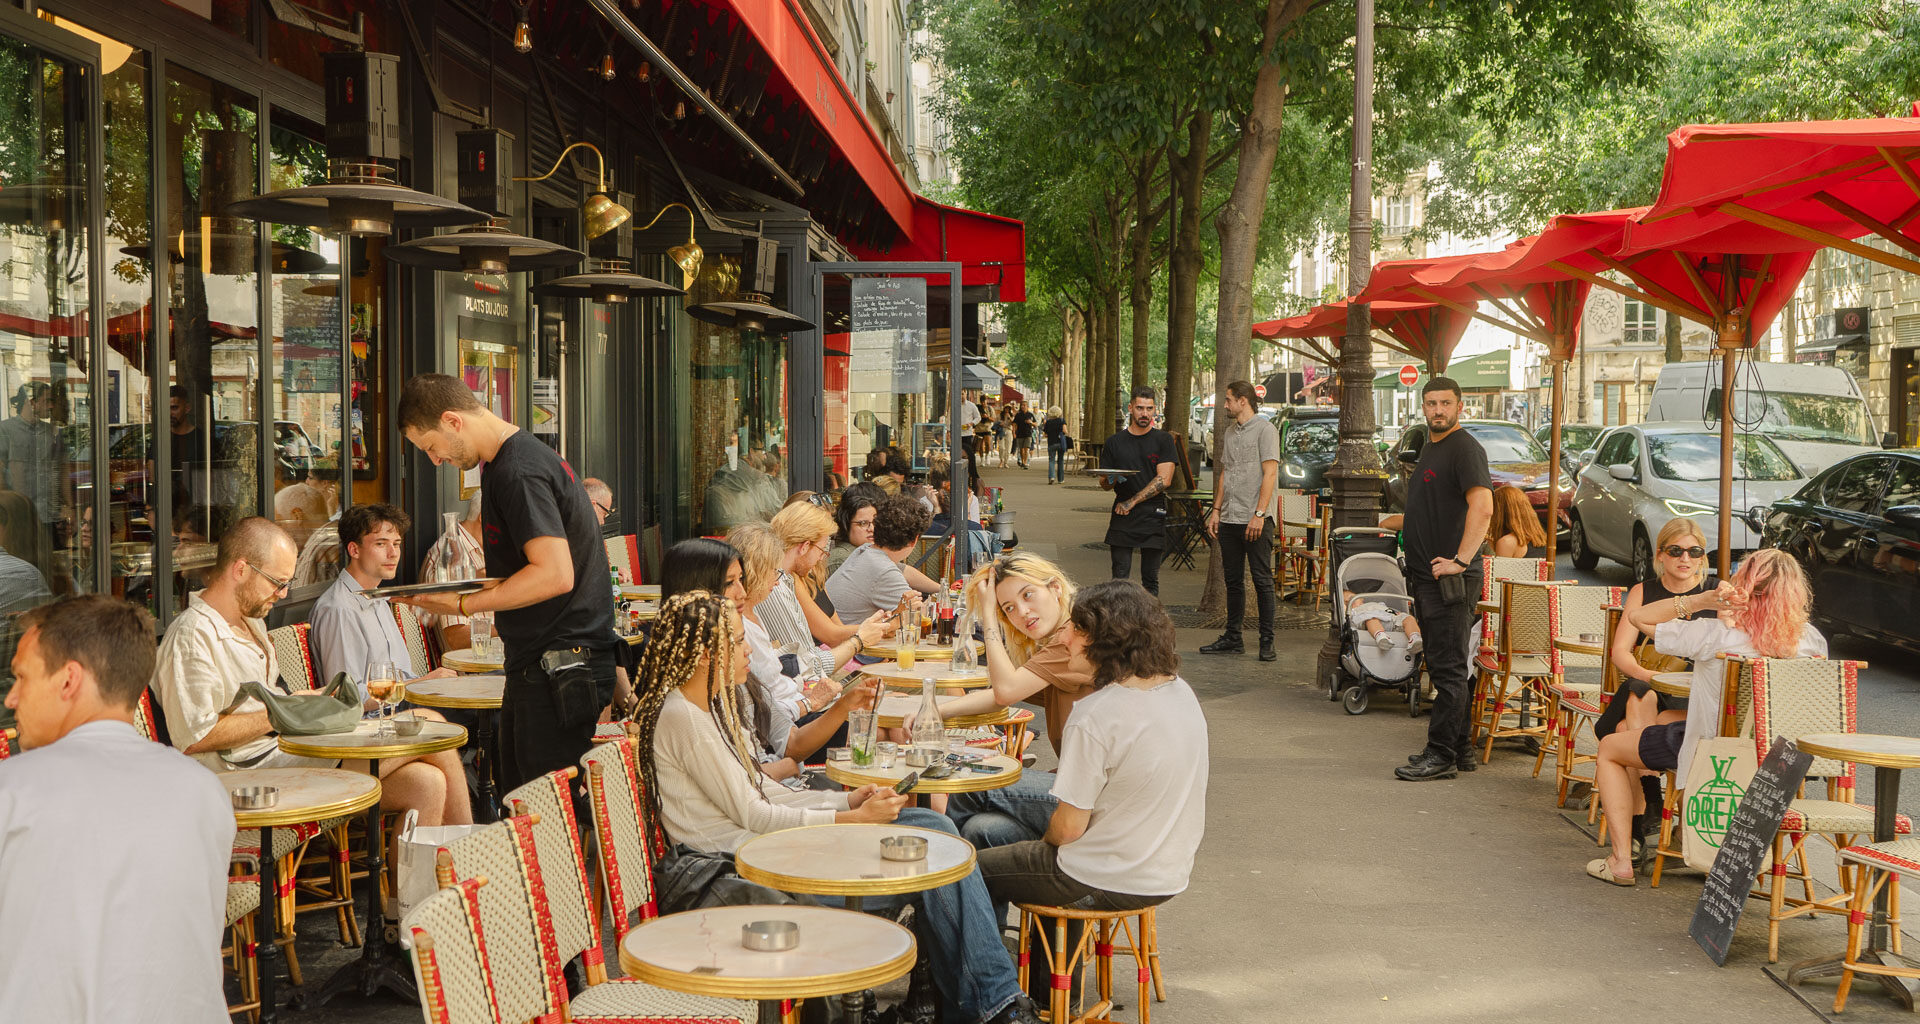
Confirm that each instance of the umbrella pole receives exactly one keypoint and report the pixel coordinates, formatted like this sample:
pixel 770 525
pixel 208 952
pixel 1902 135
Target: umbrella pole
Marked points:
pixel 1553 460
pixel 1727 355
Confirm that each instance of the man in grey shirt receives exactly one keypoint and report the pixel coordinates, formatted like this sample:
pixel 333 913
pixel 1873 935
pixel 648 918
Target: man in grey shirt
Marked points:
pixel 1242 516
pixel 351 630
pixel 870 579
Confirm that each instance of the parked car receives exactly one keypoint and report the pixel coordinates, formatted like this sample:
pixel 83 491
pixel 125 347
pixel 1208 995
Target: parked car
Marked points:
pixel 1309 442
pixel 1646 474
pixel 1816 413
pixel 1513 457
pixel 1575 438
pixel 1856 530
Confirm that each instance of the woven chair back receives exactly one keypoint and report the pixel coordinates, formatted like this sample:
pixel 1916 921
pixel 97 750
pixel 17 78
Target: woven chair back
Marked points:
pixel 1573 610
pixel 449 959
pixel 1794 697
pixel 291 650
pixel 415 635
pixel 623 556
pixel 625 852
pixel 527 983
pixel 929 555
pixel 563 864
pixel 7 739
pixel 1494 571
pixel 1526 626
pixel 1297 507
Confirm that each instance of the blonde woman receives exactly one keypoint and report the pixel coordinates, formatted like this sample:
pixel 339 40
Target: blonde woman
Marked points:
pixel 1027 659
pixel 789 613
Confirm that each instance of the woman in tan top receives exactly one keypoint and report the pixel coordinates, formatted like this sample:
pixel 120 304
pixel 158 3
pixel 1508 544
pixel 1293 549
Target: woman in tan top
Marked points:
pixel 1027 660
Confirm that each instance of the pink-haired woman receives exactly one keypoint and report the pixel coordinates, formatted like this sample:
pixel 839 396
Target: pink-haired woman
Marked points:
pixel 1762 612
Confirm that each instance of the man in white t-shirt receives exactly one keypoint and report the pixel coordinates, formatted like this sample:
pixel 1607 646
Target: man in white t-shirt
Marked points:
pixel 113 848
pixel 1132 781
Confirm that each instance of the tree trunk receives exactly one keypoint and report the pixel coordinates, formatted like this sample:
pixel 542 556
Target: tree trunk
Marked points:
pixel 1141 294
pixel 1111 401
pixel 1673 325
pixel 1238 224
pixel 1188 174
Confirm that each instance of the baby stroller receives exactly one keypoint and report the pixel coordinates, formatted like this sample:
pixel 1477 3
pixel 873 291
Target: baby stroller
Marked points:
pixel 1368 584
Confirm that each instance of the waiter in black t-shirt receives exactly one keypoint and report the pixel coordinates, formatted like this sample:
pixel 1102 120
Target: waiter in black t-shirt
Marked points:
pixel 1449 503
pixel 553 604
pixel 1139 518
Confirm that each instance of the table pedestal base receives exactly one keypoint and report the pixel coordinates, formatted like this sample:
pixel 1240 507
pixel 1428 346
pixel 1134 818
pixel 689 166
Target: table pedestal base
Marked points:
pixel 1901 990
pixel 381 963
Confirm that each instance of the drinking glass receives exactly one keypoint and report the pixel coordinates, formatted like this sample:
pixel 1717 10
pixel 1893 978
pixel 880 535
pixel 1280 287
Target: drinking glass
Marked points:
pixel 908 649
pixel 382 678
pixel 981 560
pixel 862 730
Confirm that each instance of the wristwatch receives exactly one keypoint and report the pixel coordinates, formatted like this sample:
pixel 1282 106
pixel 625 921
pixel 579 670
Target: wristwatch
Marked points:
pixel 1463 565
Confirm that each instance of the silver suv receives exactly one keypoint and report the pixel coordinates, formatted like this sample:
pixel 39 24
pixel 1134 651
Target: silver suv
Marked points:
pixel 1642 476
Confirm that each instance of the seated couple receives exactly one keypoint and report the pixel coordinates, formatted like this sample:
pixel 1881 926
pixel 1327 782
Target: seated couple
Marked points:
pixel 1762 612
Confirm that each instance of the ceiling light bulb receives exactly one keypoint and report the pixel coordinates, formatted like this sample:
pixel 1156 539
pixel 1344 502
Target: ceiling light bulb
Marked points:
pixel 523 37
pixel 606 67
pixel 680 111
pixel 645 73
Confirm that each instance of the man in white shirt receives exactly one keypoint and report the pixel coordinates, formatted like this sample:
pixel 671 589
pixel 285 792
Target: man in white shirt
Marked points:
pixel 351 630
pixel 113 848
pixel 220 641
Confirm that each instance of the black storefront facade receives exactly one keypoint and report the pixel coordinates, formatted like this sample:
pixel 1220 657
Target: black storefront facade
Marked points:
pixel 170 368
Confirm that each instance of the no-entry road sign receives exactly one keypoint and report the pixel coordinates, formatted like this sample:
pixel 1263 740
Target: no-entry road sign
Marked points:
pixel 1409 374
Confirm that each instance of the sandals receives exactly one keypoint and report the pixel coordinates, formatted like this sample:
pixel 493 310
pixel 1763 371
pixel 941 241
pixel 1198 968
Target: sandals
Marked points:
pixel 1597 868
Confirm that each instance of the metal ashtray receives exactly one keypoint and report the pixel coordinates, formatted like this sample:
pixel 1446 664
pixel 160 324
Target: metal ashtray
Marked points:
pixel 839 754
pixel 920 757
pixel 408 726
pixel 255 798
pixel 903 848
pixel 770 936
pixel 1589 638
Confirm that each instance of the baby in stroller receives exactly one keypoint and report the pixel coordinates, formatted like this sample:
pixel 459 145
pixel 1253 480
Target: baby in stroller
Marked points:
pixel 1388 627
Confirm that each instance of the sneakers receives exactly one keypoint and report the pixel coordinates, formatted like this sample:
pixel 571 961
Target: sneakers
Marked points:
pixel 1427 767
pixel 1229 643
pixel 1383 640
pixel 1020 1011
pixel 1267 652
pixel 1416 643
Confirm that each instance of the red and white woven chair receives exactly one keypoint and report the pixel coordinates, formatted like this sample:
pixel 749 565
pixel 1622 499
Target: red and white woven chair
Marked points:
pixel 419 650
pixel 294 655
pixel 1494 571
pixel 1510 699
pixel 241 951
pixel 524 953
pixel 1877 866
pixel 456 986
pixel 1575 695
pixel 625 853
pixel 8 738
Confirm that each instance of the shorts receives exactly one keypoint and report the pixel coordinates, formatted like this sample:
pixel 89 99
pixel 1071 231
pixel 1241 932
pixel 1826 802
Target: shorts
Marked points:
pixel 1660 746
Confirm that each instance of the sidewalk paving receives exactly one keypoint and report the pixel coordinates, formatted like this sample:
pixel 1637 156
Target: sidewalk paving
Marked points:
pixel 1328 891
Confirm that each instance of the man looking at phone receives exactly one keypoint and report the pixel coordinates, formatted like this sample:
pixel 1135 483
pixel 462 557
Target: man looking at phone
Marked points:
pixel 1449 504
pixel 554 610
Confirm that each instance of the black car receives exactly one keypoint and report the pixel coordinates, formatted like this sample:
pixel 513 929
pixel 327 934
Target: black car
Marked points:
pixel 1309 442
pixel 1855 528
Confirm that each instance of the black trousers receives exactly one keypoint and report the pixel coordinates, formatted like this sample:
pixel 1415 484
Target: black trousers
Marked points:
pixel 1149 566
pixel 1237 553
pixel 1448 631
pixel 534 740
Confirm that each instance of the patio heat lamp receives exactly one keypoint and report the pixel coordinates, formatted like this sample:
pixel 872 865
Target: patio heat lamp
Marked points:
pixel 490 247
pixel 752 310
pixel 216 241
pixel 608 279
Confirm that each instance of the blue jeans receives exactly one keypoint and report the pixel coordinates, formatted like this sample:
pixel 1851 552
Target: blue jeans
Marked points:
pixel 971 968
pixel 1056 462
pixel 1004 816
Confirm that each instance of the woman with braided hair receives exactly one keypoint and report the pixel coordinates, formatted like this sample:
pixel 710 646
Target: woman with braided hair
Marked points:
pixel 707 792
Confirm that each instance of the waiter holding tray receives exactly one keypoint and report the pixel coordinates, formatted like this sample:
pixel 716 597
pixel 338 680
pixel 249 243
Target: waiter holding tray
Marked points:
pixel 1139 518
pixel 553 609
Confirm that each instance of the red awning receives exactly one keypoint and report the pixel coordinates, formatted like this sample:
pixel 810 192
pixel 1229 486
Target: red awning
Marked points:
pixel 787 36
pixel 993 248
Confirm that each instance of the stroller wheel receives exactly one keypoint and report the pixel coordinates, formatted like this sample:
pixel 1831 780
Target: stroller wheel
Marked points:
pixel 1413 696
pixel 1355 700
pixel 1333 685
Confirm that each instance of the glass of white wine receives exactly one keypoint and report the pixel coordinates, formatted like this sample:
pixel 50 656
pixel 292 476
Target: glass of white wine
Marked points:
pixel 384 684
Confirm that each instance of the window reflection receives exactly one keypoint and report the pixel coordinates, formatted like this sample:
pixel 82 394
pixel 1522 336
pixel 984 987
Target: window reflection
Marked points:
pixel 739 402
pixel 306 352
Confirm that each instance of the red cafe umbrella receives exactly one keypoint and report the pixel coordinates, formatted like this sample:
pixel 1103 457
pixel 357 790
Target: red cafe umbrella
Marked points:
pixel 1435 324
pixel 1328 321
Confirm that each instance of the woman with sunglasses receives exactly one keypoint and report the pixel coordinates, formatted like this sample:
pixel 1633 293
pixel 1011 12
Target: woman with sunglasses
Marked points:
pixel 804 530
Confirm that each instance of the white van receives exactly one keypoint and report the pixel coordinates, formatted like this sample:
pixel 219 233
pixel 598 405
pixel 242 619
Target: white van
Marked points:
pixel 1816 414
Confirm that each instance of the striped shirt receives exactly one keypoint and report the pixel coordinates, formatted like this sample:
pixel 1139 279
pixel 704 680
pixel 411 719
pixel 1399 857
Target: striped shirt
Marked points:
pixel 786 625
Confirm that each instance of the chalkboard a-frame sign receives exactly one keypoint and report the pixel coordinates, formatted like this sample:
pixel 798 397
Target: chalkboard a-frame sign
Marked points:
pixel 1748 840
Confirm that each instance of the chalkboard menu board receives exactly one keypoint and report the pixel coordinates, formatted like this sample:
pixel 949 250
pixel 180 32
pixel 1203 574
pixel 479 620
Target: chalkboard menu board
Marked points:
pixel 1748 840
pixel 895 308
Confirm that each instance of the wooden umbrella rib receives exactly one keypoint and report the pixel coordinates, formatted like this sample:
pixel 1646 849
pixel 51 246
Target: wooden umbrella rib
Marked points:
pixel 1710 300
pixel 1898 162
pixel 1461 307
pixel 1512 314
pixel 1900 223
pixel 1865 220
pixel 1661 301
pixel 1626 267
pixel 1314 354
pixel 1826 238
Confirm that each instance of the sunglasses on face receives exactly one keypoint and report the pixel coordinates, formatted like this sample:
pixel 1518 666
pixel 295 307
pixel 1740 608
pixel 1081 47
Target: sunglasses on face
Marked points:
pixel 1676 551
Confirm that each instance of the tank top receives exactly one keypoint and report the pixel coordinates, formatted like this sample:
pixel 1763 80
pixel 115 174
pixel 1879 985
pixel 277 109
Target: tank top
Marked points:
pixel 1653 590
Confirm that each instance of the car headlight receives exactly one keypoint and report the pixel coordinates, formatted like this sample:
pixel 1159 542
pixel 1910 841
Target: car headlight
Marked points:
pixel 1293 471
pixel 1689 508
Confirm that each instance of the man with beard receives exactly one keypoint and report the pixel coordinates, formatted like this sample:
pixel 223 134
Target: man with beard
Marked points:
pixel 1139 518
pixel 1449 503
pixel 553 608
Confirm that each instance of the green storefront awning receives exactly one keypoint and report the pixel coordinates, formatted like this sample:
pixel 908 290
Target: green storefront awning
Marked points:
pixel 1485 372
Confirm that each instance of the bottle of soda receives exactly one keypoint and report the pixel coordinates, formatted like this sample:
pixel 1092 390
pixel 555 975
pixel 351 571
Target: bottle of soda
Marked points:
pixel 929 731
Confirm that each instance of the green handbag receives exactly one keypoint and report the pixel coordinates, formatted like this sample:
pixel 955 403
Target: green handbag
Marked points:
pixel 335 707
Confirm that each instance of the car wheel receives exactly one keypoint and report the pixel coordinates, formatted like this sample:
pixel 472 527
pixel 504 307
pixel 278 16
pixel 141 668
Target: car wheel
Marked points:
pixel 1642 555
pixel 1584 557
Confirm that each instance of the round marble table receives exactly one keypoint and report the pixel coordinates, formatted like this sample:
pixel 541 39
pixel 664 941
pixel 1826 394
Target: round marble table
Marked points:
pixel 483 691
pixel 1576 645
pixel 893 707
pixel 925 649
pixel 699 951
pixel 894 677
pixel 961 780
pixel 305 794
pixel 465 660
pixel 1673 684
pixel 844 860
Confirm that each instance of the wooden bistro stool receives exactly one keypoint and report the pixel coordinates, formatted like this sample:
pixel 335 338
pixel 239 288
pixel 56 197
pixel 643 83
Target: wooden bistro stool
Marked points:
pixel 465 660
pixel 893 677
pixel 303 795
pixel 1135 927
pixel 701 952
pixel 379 965
pixel 845 860
pixel 482 694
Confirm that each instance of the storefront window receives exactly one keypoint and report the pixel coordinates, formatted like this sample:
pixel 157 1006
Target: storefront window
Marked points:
pixel 739 389
pixel 306 352
pixel 129 403
pixel 213 406
pixel 46 424
pixel 489 355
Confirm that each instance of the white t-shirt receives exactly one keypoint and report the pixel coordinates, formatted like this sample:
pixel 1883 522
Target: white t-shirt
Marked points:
pixel 1699 640
pixel 706 798
pixel 113 888
pixel 1138 760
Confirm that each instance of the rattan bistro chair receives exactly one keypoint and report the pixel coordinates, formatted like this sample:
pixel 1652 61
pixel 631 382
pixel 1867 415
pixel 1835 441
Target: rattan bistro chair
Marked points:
pixel 1575 694
pixel 8 739
pixel 241 951
pixel 1510 700
pixel 294 654
pixel 449 961
pixel 1494 571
